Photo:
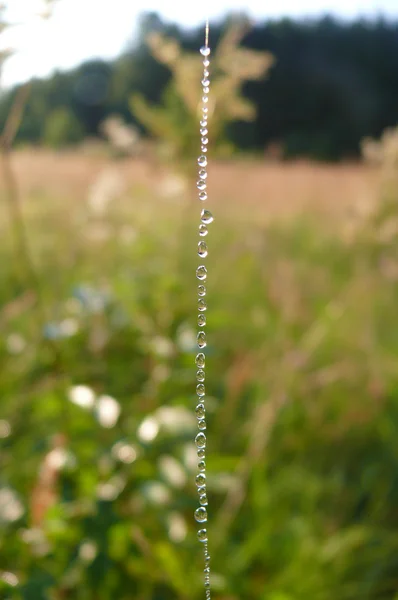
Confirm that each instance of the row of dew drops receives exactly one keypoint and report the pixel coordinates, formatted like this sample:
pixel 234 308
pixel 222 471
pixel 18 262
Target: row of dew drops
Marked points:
pixel 201 274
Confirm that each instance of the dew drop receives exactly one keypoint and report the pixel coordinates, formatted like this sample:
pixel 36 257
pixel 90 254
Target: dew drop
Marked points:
pixel 206 89
pixel 201 185
pixel 202 248
pixel 202 424
pixel 206 73
pixel 201 290
pixel 205 51
pixel 203 123
pixel 205 99
pixel 200 441
pixel 202 465
pixel 205 81
pixel 202 196
pixel 207 558
pixel 205 110
pixel 200 411
pixel 203 174
pixel 207 217
pixel 201 337
pixel 200 375
pixel 205 141
pixel 202 306
pixel 201 515
pixel 203 231
pixel 200 360
pixel 200 390
pixel 201 453
pixel 201 272
pixel 203 148
pixel 201 320
pixel 200 479
pixel 202 161
pixel 202 535
pixel 206 63
pixel 203 131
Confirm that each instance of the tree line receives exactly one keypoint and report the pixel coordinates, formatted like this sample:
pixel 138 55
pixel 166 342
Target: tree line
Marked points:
pixel 332 84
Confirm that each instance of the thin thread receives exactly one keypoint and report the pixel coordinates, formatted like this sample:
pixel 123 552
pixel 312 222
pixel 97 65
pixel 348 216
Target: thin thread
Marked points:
pixel 207 33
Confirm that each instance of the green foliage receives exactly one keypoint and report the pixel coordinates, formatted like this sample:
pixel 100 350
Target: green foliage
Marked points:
pixel 62 128
pixel 175 122
pixel 333 83
pixel 303 408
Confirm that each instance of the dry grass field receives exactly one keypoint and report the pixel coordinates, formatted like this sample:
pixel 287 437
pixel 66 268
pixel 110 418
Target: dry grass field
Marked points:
pixel 264 190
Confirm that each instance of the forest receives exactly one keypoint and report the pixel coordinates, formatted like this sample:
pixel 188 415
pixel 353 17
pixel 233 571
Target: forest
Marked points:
pixel 332 83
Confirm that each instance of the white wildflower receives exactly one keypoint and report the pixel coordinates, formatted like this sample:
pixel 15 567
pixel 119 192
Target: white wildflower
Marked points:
pixel 108 411
pixel 11 509
pixel 177 527
pixel 82 396
pixel 148 430
pixel 172 471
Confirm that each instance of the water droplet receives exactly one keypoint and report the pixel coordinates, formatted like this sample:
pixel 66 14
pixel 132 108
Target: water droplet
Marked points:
pixel 203 174
pixel 200 360
pixel 205 82
pixel 201 185
pixel 201 337
pixel 202 306
pixel 200 390
pixel 202 196
pixel 200 375
pixel 207 217
pixel 201 272
pixel 200 441
pixel 201 453
pixel 203 148
pixel 202 248
pixel 205 110
pixel 204 141
pixel 206 73
pixel 201 490
pixel 207 558
pixel 200 479
pixel 206 89
pixel 207 584
pixel 202 161
pixel 203 231
pixel 201 424
pixel 203 131
pixel 201 515
pixel 205 51
pixel 200 411
pixel 205 99
pixel 203 123
pixel 202 465
pixel 201 320
pixel 203 500
pixel 201 290
pixel 202 535
pixel 206 63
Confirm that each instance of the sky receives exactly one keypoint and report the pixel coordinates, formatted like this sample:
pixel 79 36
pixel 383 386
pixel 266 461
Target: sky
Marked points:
pixel 71 36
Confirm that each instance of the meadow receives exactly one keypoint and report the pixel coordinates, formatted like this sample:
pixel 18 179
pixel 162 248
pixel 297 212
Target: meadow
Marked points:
pixel 97 381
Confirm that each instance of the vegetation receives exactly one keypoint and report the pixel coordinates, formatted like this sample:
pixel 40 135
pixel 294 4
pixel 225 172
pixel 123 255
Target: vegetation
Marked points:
pixel 97 318
pixel 96 496
pixel 332 84
pixel 175 123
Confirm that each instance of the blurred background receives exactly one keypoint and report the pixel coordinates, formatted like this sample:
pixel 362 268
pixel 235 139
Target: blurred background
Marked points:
pixel 98 227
